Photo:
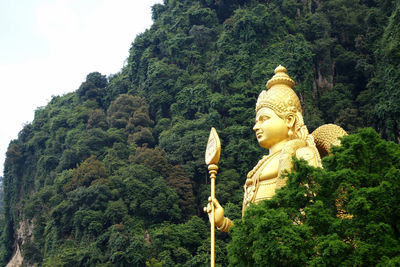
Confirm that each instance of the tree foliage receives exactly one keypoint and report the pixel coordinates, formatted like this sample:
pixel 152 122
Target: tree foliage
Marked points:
pixel 345 214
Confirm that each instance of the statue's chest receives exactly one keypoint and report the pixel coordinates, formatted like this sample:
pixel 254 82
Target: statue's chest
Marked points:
pixel 264 182
pixel 269 170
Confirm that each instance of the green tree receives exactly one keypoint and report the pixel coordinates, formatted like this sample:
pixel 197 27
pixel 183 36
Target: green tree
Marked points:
pixel 88 172
pixel 93 87
pixel 384 86
pixel 131 113
pixel 182 185
pixel 345 214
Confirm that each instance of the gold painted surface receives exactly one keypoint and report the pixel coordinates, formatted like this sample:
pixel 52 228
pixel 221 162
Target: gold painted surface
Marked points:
pixel 213 150
pixel 279 128
pixel 327 135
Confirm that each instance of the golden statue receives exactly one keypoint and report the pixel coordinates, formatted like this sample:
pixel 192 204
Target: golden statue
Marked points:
pixel 279 128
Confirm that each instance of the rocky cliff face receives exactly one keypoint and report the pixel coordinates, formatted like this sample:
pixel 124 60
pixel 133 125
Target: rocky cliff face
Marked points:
pixel 24 234
pixel 16 260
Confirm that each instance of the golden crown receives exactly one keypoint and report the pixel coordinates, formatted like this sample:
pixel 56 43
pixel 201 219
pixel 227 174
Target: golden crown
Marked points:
pixel 280 96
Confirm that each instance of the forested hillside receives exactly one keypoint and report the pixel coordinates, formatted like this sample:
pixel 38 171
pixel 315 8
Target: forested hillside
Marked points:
pixel 113 174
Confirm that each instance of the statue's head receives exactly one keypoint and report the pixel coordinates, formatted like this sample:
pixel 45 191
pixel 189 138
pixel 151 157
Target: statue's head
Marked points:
pixel 279 115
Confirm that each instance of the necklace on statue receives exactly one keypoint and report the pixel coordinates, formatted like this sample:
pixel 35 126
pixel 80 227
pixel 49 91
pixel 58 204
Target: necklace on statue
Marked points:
pixel 249 190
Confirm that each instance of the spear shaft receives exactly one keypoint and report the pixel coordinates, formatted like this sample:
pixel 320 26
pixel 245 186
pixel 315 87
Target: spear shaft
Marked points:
pixel 213 153
pixel 212 169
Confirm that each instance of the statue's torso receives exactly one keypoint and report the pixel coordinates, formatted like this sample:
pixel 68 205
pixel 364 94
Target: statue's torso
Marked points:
pixel 267 180
pixel 265 175
pixel 263 181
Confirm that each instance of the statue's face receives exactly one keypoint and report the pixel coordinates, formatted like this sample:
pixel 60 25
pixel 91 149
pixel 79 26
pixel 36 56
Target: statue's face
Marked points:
pixel 270 128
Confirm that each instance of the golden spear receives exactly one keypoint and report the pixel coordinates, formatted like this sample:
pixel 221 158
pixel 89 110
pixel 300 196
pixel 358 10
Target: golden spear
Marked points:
pixel 213 153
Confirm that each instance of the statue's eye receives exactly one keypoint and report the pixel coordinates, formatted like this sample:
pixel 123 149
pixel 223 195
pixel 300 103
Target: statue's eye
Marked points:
pixel 263 118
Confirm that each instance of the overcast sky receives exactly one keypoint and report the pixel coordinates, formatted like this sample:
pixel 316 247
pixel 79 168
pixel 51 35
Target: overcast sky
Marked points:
pixel 47 47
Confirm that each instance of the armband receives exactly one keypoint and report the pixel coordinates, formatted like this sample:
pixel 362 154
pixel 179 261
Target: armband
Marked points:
pixel 225 225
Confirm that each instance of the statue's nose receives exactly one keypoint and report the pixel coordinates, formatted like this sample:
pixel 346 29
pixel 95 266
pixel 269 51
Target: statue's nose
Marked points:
pixel 256 127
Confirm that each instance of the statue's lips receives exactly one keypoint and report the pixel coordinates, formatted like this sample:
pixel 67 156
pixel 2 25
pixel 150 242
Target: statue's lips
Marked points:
pixel 259 135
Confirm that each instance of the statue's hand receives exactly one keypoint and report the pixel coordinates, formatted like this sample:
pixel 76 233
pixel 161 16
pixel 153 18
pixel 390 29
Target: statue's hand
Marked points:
pixel 219 212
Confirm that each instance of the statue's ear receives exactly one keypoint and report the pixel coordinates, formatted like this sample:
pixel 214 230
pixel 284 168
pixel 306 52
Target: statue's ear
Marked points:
pixel 290 119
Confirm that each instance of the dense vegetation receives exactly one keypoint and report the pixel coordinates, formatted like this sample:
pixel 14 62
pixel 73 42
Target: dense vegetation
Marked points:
pixel 113 174
pixel 346 214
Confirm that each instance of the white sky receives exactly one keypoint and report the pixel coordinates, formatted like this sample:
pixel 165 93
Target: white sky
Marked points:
pixel 47 47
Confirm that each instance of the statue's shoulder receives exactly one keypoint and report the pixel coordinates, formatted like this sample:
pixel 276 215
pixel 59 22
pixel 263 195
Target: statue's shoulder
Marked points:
pixel 300 149
pixel 319 143
pixel 307 153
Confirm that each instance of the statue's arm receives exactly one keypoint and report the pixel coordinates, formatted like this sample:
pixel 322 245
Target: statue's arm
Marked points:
pixel 285 159
pixel 308 154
